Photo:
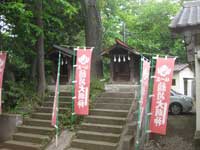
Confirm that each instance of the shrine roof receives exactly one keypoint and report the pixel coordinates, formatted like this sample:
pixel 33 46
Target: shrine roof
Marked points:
pixel 187 18
pixel 67 51
pixel 117 45
pixel 179 67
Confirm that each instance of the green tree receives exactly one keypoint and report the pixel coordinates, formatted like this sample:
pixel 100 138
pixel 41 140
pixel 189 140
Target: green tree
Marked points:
pixel 146 25
pixel 93 34
pixel 61 23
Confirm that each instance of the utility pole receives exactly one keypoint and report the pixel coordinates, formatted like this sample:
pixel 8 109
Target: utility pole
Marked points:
pixel 124 32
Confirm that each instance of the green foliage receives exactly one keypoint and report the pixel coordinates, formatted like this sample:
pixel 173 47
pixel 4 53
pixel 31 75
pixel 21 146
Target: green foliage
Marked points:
pixel 106 69
pixel 146 25
pixel 96 88
pixel 20 98
pixel 64 120
pixel 63 24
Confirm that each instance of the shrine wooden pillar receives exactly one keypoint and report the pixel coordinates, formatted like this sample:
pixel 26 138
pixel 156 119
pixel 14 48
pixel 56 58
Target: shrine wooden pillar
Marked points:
pixel 70 72
pixel 131 65
pixel 111 69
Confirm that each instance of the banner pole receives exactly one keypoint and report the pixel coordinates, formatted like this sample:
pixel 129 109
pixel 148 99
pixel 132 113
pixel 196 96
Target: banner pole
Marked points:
pixel 57 119
pixel 137 142
pixel 73 87
pixel 149 99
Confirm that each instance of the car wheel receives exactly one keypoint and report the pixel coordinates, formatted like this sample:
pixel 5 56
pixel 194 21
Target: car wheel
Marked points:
pixel 176 109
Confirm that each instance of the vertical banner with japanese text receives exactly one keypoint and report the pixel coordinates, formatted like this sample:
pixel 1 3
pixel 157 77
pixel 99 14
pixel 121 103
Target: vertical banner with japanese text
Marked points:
pixel 144 86
pixel 2 67
pixel 161 95
pixel 82 81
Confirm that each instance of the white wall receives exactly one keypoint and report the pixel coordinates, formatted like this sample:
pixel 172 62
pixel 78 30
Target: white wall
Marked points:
pixel 179 76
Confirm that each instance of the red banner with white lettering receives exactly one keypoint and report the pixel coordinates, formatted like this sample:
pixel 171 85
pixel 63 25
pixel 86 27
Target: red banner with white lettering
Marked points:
pixel 161 95
pixel 82 81
pixel 144 86
pixel 2 67
pixel 55 106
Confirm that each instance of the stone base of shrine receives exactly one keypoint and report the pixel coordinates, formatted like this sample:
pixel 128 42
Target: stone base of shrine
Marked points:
pixel 115 87
pixel 63 88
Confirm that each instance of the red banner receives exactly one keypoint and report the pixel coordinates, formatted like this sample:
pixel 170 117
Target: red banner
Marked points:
pixel 161 95
pixel 55 106
pixel 2 67
pixel 82 80
pixel 144 86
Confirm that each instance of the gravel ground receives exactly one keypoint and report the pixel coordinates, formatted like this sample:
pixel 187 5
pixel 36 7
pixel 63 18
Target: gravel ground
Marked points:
pixel 180 133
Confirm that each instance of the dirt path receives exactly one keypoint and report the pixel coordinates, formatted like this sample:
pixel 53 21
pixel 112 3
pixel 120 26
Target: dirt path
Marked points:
pixel 180 133
pixel 63 141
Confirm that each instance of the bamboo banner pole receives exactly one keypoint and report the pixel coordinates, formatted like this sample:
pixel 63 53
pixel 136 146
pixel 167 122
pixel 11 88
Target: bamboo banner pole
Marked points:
pixel 137 142
pixel 57 119
pixel 73 88
pixel 148 115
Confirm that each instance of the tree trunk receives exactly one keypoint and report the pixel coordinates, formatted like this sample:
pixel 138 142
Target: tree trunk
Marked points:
pixel 34 70
pixel 93 31
pixel 40 51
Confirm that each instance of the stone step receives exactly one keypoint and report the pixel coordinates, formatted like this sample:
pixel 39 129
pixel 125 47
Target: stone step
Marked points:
pixel 116 129
pixel 61 98
pixel 37 122
pixel 98 136
pixel 75 149
pixel 36 130
pixel 50 109
pixel 116 100
pixel 112 106
pixel 33 138
pixel 18 145
pixel 61 104
pixel 118 94
pixel 43 116
pixel 105 120
pixel 62 93
pixel 93 145
pixel 108 112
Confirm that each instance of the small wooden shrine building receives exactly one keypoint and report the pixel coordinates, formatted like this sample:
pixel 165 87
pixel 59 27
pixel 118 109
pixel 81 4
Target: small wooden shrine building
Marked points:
pixel 124 63
pixel 66 67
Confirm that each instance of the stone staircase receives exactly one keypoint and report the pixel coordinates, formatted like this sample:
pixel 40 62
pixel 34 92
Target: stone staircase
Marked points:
pixel 101 130
pixel 36 132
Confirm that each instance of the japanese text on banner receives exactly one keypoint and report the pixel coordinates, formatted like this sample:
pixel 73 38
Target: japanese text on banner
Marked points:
pixel 161 95
pixel 82 86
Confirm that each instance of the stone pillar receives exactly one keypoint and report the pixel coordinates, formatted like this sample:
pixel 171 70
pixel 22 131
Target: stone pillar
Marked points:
pixel 197 79
pixel 197 83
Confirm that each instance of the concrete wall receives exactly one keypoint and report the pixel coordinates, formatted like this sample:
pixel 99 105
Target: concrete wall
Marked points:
pixel 179 77
pixel 8 124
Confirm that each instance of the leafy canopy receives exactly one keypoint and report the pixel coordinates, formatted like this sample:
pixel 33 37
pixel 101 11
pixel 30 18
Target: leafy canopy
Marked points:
pixel 146 25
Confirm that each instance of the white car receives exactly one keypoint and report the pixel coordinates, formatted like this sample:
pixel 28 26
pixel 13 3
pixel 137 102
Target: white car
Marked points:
pixel 179 103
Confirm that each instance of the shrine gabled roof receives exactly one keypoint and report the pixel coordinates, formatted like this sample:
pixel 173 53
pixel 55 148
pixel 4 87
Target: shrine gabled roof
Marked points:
pixel 64 50
pixel 187 18
pixel 119 44
pixel 179 67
